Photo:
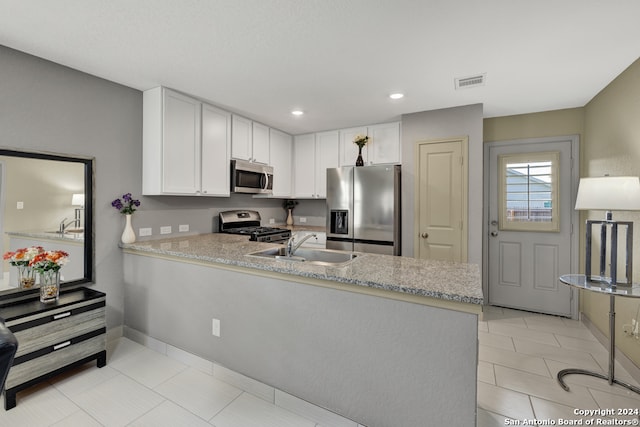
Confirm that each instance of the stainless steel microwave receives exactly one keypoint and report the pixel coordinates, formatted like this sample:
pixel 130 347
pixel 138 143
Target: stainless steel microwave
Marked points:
pixel 252 178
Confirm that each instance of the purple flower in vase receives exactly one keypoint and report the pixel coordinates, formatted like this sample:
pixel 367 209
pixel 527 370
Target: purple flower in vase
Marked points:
pixel 129 205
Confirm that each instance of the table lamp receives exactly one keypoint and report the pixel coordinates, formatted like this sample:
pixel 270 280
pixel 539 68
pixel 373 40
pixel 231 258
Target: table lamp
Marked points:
pixel 609 193
pixel 78 200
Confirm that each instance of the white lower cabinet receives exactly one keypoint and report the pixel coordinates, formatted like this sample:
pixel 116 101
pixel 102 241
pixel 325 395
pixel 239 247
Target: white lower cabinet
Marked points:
pixel 186 146
pixel 312 155
pixel 318 242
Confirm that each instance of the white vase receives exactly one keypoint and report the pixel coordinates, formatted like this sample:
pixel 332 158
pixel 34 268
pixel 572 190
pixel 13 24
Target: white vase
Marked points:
pixel 290 218
pixel 128 235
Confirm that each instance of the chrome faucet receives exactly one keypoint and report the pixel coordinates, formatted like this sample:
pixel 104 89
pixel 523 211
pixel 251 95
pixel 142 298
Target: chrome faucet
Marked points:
pixel 64 226
pixel 291 248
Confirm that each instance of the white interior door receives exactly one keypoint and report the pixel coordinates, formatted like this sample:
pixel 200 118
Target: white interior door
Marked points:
pixel 441 195
pixel 531 197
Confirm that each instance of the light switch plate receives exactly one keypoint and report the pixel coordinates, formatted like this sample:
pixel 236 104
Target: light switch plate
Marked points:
pixel 165 230
pixel 215 327
pixel 144 232
pixel 183 228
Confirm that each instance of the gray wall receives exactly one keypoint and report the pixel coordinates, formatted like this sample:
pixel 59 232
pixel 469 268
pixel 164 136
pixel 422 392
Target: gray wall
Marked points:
pixel 48 107
pixel 45 106
pixel 374 360
pixel 439 124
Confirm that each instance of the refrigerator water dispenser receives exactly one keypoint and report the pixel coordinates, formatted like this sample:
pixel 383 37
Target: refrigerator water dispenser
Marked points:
pixel 339 222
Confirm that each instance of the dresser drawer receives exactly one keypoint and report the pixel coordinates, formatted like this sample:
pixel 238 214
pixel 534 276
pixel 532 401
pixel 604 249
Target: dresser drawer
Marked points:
pixel 57 359
pixel 61 329
pixel 53 337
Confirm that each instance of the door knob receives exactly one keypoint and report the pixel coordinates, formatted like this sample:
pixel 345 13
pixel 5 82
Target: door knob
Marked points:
pixel 494 233
pixel 425 235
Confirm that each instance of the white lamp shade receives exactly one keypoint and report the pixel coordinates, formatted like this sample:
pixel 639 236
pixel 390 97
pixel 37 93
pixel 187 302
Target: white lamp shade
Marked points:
pixel 609 193
pixel 77 200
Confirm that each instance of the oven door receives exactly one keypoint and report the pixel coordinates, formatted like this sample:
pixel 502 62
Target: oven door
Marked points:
pixel 251 178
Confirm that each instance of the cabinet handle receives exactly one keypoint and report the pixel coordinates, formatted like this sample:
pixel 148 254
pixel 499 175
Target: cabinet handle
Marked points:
pixel 61 345
pixel 62 315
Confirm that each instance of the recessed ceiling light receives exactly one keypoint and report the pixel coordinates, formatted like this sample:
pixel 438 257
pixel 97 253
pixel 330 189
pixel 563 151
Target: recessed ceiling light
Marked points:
pixel 396 95
pixel 297 112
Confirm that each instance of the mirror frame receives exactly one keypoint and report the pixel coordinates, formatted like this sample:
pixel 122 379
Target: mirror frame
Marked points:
pixel 88 163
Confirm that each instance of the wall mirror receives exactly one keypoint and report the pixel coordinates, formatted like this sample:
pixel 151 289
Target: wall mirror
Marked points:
pixel 47 200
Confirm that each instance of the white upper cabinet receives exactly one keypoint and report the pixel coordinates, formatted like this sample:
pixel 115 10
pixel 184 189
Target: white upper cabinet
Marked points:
pixel 250 140
pixel 280 147
pixel 242 138
pixel 216 151
pixel 349 150
pixel 304 166
pixel 173 144
pixel 383 145
pixel 260 144
pixel 313 154
pixel 327 144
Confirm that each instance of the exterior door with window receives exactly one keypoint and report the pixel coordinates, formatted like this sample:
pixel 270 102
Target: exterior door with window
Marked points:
pixel 530 225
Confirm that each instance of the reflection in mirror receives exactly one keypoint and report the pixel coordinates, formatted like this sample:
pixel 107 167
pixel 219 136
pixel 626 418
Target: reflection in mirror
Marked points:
pixel 46 200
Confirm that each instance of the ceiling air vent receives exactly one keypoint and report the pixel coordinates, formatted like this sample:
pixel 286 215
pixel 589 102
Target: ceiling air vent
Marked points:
pixel 469 82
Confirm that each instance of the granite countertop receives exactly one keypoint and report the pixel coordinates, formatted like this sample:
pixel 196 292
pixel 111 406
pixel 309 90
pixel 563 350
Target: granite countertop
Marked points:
pixel 436 279
pixel 48 235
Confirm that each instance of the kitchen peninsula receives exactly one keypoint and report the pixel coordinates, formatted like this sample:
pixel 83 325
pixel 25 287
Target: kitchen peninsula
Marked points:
pixel 366 340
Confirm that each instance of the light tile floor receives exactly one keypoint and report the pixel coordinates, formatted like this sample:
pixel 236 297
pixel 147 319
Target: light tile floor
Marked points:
pixel 520 354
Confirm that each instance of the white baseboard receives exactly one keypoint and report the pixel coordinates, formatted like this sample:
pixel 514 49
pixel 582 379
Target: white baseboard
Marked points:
pixel 621 358
pixel 263 391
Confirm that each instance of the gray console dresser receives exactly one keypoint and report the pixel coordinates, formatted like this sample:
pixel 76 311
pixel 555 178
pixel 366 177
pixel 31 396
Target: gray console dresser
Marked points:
pixel 53 337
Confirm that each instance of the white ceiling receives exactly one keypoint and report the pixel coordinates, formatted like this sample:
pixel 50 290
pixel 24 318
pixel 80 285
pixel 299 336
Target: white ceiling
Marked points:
pixel 338 60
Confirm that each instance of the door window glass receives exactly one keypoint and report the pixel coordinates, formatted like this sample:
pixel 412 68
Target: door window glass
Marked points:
pixel 529 192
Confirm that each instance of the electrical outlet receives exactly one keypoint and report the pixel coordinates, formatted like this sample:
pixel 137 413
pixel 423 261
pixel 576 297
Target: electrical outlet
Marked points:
pixel 215 327
pixel 145 232
pixel 20 205
pixel 272 221
pixel 303 219
pixel 182 228
pixel 165 230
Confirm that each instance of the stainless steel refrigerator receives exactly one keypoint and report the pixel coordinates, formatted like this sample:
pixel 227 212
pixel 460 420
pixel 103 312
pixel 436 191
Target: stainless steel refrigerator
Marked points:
pixel 363 209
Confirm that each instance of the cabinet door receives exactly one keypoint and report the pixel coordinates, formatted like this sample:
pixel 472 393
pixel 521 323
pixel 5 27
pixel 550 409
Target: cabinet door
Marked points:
pixel 327 144
pixel 181 144
pixel 216 151
pixel 241 138
pixel 280 145
pixel 349 150
pixel 304 163
pixel 260 143
pixel 384 143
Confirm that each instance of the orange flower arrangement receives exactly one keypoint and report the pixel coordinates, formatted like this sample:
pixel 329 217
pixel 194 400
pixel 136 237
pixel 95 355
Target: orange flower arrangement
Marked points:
pixel 23 256
pixel 49 261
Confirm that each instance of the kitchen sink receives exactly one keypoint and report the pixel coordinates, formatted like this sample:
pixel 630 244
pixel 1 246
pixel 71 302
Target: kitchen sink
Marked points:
pixel 67 231
pixel 325 257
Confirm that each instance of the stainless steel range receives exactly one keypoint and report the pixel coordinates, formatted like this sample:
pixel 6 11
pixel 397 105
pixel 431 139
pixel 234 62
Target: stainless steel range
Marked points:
pixel 248 223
